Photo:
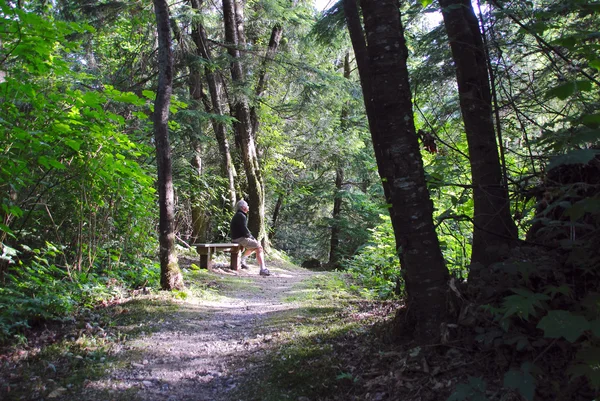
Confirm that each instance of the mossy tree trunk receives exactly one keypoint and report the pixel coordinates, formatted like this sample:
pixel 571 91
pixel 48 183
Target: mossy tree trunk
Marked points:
pixel 170 275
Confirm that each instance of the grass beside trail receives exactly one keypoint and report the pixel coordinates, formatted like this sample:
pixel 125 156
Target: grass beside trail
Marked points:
pixel 310 359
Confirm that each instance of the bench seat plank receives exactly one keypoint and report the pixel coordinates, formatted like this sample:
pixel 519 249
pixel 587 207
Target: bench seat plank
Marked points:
pixel 207 250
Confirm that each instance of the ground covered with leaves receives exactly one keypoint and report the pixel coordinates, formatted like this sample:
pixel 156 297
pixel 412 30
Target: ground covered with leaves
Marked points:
pixel 296 335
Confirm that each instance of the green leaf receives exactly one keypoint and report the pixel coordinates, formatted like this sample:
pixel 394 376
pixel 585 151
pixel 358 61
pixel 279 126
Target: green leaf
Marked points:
pixel 43 160
pixel 562 323
pixel 595 64
pixel 425 3
pixel 73 144
pixel 61 127
pixel 591 120
pixel 552 290
pixel 567 89
pixel 579 209
pixel 149 94
pixel 579 156
pixel 6 229
pixel 56 164
pixel 562 91
pixel 522 381
pixel 523 304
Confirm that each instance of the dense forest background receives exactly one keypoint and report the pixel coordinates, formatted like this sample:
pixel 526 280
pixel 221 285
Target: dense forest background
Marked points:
pixel 267 104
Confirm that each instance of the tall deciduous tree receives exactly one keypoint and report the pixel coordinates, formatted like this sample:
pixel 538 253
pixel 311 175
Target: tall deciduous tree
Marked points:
pixel 215 87
pixel 493 224
pixel 384 78
pixel 170 275
pixel 243 125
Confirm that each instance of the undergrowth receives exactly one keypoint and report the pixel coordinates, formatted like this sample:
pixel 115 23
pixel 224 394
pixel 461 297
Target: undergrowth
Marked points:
pixel 39 290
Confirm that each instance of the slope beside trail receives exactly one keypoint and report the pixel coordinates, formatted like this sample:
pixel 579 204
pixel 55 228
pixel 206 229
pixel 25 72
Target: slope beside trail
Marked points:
pixel 190 354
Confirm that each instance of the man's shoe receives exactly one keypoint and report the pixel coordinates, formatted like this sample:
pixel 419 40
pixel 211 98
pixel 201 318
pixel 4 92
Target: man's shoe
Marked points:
pixel 265 272
pixel 245 266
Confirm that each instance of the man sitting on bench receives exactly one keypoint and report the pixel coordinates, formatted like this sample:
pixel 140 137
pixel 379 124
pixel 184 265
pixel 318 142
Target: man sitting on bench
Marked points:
pixel 241 235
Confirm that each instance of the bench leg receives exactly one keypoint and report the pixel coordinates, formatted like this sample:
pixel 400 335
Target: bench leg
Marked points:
pixel 205 258
pixel 236 259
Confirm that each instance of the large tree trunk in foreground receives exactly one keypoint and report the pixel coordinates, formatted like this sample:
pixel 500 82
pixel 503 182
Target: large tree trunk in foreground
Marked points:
pixel 494 228
pixel 385 84
pixel 243 127
pixel 170 275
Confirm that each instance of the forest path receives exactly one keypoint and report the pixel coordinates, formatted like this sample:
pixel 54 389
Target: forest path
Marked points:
pixel 189 353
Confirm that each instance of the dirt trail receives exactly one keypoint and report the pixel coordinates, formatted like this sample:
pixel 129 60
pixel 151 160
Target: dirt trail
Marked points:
pixel 188 356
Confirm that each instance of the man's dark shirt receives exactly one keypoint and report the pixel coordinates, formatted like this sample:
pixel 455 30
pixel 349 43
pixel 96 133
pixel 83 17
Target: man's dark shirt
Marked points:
pixel 239 226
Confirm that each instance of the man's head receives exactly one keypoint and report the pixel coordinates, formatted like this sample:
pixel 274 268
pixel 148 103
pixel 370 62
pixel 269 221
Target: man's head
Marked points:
pixel 242 205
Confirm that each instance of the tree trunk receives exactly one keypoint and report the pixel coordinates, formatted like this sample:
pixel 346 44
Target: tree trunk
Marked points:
pixel 263 77
pixel 494 227
pixel 334 243
pixel 200 218
pixel 215 88
pixel 276 212
pixel 243 127
pixel 389 108
pixel 170 275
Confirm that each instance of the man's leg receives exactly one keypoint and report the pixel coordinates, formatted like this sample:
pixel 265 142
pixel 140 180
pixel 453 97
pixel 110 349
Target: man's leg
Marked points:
pixel 253 245
pixel 260 258
pixel 247 252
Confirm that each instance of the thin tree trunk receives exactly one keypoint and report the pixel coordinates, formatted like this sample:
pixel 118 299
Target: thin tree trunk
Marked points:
pixel 399 161
pixel 276 212
pixel 334 243
pixel 215 88
pixel 243 127
pixel 494 228
pixel 200 219
pixel 170 275
pixel 199 216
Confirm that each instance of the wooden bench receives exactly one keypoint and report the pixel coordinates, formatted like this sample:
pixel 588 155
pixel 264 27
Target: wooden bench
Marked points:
pixel 206 251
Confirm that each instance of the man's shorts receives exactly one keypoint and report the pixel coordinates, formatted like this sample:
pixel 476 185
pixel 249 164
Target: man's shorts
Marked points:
pixel 248 243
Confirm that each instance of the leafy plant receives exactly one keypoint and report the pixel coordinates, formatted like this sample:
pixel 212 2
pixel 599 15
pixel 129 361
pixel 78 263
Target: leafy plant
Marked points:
pixel 376 265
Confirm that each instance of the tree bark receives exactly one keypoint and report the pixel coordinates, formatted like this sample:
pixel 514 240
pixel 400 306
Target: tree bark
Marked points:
pixel 494 228
pixel 200 218
pixel 334 243
pixel 388 99
pixel 243 127
pixel 263 77
pixel 215 87
pixel 275 216
pixel 170 275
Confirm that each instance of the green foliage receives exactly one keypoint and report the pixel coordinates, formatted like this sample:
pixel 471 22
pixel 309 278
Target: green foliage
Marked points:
pixel 523 304
pixel 562 323
pixel 521 380
pixel 71 159
pixel 39 290
pixel 376 266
